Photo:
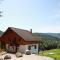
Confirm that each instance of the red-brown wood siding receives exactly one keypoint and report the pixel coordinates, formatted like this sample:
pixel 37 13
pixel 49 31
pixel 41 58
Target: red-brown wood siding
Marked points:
pixel 10 35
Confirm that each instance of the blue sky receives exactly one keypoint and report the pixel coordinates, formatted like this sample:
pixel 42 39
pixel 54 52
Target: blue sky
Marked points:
pixel 39 15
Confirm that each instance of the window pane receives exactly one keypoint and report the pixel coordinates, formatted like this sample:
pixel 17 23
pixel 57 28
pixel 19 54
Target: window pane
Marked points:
pixel 35 47
pixel 29 47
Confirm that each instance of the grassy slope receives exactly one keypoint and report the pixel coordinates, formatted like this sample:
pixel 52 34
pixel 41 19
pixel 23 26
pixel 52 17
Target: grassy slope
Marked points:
pixel 56 54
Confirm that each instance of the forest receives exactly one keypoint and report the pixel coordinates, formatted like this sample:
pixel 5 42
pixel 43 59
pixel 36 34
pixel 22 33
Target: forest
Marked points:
pixel 47 41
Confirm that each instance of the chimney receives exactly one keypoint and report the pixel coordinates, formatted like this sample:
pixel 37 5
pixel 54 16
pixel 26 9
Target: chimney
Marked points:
pixel 30 30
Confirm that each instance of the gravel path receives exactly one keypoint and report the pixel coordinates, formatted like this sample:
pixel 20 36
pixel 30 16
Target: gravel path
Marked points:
pixel 28 57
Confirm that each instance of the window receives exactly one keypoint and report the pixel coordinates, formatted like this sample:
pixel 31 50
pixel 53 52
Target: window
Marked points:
pixel 35 46
pixel 29 47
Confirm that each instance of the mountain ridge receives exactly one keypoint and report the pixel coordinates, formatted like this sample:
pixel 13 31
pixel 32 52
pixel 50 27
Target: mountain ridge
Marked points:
pixel 46 36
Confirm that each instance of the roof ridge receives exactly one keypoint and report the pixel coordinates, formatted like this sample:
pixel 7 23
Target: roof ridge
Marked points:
pixel 19 29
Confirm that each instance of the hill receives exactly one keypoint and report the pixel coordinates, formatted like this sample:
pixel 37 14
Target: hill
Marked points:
pixel 47 36
pixel 47 41
pixel 54 34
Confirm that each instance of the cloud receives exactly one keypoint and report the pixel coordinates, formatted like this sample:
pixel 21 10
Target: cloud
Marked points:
pixel 48 29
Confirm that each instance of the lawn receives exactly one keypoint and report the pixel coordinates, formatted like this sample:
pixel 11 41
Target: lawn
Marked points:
pixel 54 53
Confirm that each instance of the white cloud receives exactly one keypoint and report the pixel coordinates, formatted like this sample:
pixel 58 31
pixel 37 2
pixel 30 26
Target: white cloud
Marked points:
pixel 48 29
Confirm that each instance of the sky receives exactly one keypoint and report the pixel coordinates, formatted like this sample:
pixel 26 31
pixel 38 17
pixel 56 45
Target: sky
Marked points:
pixel 41 16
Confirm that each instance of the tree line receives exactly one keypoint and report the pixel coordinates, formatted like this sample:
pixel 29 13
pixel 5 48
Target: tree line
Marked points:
pixel 47 42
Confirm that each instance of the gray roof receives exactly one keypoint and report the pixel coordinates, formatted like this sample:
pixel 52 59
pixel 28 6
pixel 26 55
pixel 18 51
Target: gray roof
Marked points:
pixel 26 35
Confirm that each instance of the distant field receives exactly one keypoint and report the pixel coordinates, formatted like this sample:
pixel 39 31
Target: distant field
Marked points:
pixel 54 53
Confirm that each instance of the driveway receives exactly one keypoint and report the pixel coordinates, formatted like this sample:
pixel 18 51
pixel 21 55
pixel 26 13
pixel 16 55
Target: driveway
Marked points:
pixel 28 57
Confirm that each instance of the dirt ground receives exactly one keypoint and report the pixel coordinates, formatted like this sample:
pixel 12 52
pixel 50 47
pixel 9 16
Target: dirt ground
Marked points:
pixel 27 57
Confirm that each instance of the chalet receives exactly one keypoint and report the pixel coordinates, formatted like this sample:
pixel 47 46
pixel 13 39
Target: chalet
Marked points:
pixel 14 39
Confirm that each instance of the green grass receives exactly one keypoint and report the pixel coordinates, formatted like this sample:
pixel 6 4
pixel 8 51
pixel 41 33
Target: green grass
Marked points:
pixel 56 54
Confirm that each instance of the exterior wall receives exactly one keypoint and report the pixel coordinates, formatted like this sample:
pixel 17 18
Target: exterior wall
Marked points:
pixel 11 49
pixel 10 35
pixel 23 48
pixel 33 50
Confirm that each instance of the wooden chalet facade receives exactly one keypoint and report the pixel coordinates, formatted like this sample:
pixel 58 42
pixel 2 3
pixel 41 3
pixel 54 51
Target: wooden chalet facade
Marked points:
pixel 14 39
